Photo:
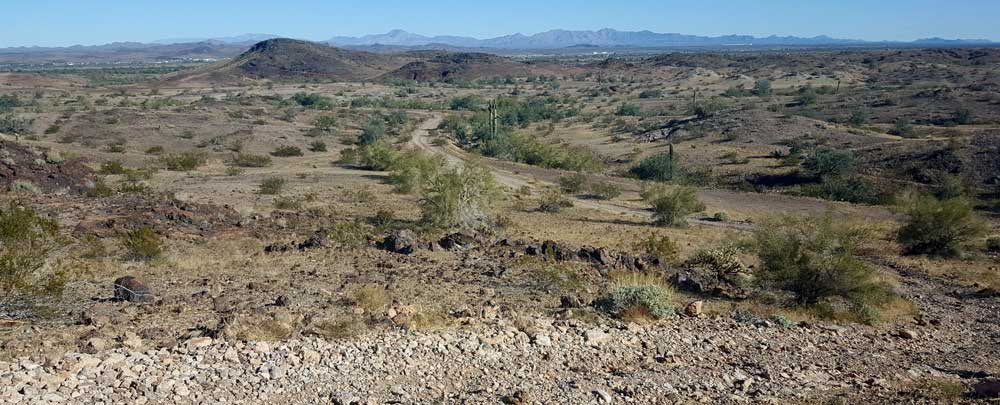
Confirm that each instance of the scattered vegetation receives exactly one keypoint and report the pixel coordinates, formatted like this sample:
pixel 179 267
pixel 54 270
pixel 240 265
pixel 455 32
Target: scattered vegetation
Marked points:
pixel 938 227
pixel 27 239
pixel 638 297
pixel 141 244
pixel 184 162
pixel 271 186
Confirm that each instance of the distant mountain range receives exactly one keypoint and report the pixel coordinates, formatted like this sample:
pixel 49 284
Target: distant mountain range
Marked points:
pixel 613 38
pixel 239 39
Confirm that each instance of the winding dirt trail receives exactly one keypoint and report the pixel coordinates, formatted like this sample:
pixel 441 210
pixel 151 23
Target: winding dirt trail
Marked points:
pixel 517 175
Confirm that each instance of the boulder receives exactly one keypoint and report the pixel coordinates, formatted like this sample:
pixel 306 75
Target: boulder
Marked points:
pixel 460 241
pixel 402 241
pixel 987 389
pixel 694 308
pixel 130 289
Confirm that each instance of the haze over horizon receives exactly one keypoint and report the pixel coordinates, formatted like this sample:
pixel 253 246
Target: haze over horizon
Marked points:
pixel 68 22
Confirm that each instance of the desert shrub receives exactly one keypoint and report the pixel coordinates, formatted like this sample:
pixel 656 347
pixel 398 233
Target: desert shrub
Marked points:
pixel 314 101
pixel 10 124
pixel 372 132
pixel 721 262
pixel 525 149
pixel 938 227
pixel 378 156
pixel 413 170
pixel 317 146
pixel 963 116
pixel 53 129
pixel 372 299
pixel 993 244
pixel 573 183
pixel 287 203
pixel 660 247
pixel 459 198
pixel 706 108
pixel 807 96
pixel 850 189
pixel 24 186
pixel 133 187
pixel 26 241
pixel 671 205
pixel 651 94
pixel 154 150
pixel 234 171
pixel 815 259
pixel 604 190
pixel 326 122
pixel 637 296
pixel 660 167
pixel 349 233
pixel 762 88
pixel 100 189
pixel 286 151
pixel 858 117
pixel 271 186
pixel 383 218
pixel 348 156
pixel 185 161
pixel 827 162
pixel 902 128
pixel 141 244
pixel 949 187
pixel 116 147
pixel 627 109
pixel 112 167
pixel 552 200
pixel 251 160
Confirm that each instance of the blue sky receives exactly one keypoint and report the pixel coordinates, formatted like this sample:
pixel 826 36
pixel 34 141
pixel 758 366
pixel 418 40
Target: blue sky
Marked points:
pixel 68 22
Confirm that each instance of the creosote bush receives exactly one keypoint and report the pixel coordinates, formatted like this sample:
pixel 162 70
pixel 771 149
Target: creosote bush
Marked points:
pixel 671 204
pixel 413 170
pixel 271 186
pixel 141 244
pixel 287 151
pixel 660 247
pixel 552 200
pixel 26 241
pixel 573 183
pixel 938 227
pixel 184 162
pixel 251 160
pixel 815 259
pixel 378 156
pixel 459 198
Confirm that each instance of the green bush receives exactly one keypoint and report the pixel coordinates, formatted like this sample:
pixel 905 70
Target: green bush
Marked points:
pixel 154 150
pixel 762 88
pixel 638 296
pixel 706 108
pixel 348 156
pixel 314 101
pixel 525 149
pixel 317 146
pixel 10 124
pixel 459 198
pixel 651 94
pixel 414 170
pixel 112 167
pixel 828 162
pixel 378 156
pixel 670 206
pixel 287 151
pixel 659 247
pixel 627 109
pixel 815 259
pixel 938 227
pixel 604 191
pixel 326 122
pixel 271 186
pixel 552 200
pixel 26 241
pixel 251 160
pixel 373 132
pixel 858 117
pixel 141 244
pixel 659 167
pixel 573 183
pixel 184 162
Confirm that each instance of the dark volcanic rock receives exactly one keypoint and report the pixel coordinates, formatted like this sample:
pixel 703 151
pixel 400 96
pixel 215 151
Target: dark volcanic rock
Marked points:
pixel 129 288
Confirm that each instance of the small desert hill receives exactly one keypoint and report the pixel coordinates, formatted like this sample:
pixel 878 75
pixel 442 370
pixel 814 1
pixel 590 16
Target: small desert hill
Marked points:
pixel 282 59
pixel 470 66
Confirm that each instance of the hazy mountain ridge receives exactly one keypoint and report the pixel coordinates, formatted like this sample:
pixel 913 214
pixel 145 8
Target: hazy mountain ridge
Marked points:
pixel 610 37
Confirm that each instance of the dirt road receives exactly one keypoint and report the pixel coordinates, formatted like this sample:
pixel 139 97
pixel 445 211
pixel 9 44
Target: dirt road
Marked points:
pixel 517 175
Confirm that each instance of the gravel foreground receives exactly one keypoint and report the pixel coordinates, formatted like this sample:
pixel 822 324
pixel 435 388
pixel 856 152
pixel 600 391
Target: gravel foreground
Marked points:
pixel 709 360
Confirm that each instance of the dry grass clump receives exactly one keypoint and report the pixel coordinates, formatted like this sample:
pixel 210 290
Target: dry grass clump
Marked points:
pixel 372 299
pixel 638 297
